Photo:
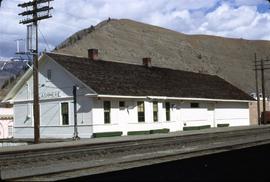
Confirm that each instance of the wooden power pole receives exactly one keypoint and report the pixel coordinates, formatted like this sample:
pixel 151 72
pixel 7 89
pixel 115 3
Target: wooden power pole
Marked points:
pixel 263 90
pixel 36 12
pixel 257 91
pixel 260 65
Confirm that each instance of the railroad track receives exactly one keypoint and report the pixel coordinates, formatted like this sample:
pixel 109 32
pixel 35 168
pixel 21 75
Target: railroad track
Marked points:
pixel 57 162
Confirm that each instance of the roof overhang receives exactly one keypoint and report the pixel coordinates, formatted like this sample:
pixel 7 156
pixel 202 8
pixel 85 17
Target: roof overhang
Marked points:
pixel 168 98
pixel 9 98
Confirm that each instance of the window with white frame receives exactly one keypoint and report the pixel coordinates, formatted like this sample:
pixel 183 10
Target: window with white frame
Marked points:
pixel 10 130
pixel 107 112
pixel 140 106
pixel 155 111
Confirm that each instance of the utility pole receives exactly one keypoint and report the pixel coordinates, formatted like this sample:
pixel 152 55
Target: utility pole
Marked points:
pixel 263 89
pixel 36 13
pixel 262 66
pixel 75 135
pixel 257 91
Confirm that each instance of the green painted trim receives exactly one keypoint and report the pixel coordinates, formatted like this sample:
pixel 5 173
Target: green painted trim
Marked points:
pixel 139 132
pixel 223 125
pixel 188 128
pixel 164 130
pixel 205 127
pixel 107 134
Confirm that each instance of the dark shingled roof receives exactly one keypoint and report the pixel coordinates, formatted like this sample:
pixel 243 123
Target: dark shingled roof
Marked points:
pixel 112 78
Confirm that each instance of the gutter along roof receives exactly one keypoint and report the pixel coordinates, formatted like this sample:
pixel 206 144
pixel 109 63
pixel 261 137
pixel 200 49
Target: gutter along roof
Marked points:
pixel 113 78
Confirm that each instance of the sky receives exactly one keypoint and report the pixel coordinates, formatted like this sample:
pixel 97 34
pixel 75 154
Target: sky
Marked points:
pixel 247 19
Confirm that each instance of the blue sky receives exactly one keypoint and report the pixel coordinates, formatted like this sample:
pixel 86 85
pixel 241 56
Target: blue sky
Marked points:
pixel 247 19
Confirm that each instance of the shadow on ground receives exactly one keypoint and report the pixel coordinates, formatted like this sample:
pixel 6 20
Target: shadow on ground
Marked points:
pixel 252 164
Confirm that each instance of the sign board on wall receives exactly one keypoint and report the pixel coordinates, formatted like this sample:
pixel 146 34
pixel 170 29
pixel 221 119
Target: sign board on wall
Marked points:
pixel 48 95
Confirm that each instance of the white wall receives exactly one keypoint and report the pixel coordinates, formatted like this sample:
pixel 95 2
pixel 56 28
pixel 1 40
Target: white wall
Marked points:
pixel 208 113
pixel 237 114
pixel 6 128
pixel 196 116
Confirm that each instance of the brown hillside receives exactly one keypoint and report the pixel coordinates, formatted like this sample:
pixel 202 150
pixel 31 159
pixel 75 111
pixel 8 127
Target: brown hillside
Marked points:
pixel 128 41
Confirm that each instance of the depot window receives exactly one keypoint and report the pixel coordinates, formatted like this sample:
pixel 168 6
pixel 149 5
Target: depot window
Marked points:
pixel 155 111
pixel 140 106
pixel 65 113
pixel 107 112
pixel 168 114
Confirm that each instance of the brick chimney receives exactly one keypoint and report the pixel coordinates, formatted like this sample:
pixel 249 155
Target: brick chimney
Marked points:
pixel 147 62
pixel 93 54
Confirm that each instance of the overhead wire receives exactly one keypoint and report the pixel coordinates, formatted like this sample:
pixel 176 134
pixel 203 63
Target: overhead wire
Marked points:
pixel 45 40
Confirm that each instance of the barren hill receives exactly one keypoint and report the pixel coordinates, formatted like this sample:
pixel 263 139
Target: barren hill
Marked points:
pixel 128 41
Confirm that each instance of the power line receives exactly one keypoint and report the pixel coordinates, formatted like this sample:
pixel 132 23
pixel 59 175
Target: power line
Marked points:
pixel 44 40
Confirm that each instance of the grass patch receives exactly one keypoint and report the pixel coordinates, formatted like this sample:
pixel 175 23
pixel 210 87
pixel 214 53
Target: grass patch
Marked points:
pixel 107 134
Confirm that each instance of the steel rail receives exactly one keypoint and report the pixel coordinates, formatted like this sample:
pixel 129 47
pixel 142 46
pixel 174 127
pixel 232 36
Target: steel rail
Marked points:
pixel 124 147
pixel 204 149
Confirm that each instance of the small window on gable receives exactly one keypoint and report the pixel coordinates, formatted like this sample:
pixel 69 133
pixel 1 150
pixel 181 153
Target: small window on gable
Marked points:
pixel 122 104
pixel 194 105
pixel 49 74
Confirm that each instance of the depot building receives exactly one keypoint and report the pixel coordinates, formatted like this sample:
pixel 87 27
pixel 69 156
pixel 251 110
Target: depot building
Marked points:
pixel 121 98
